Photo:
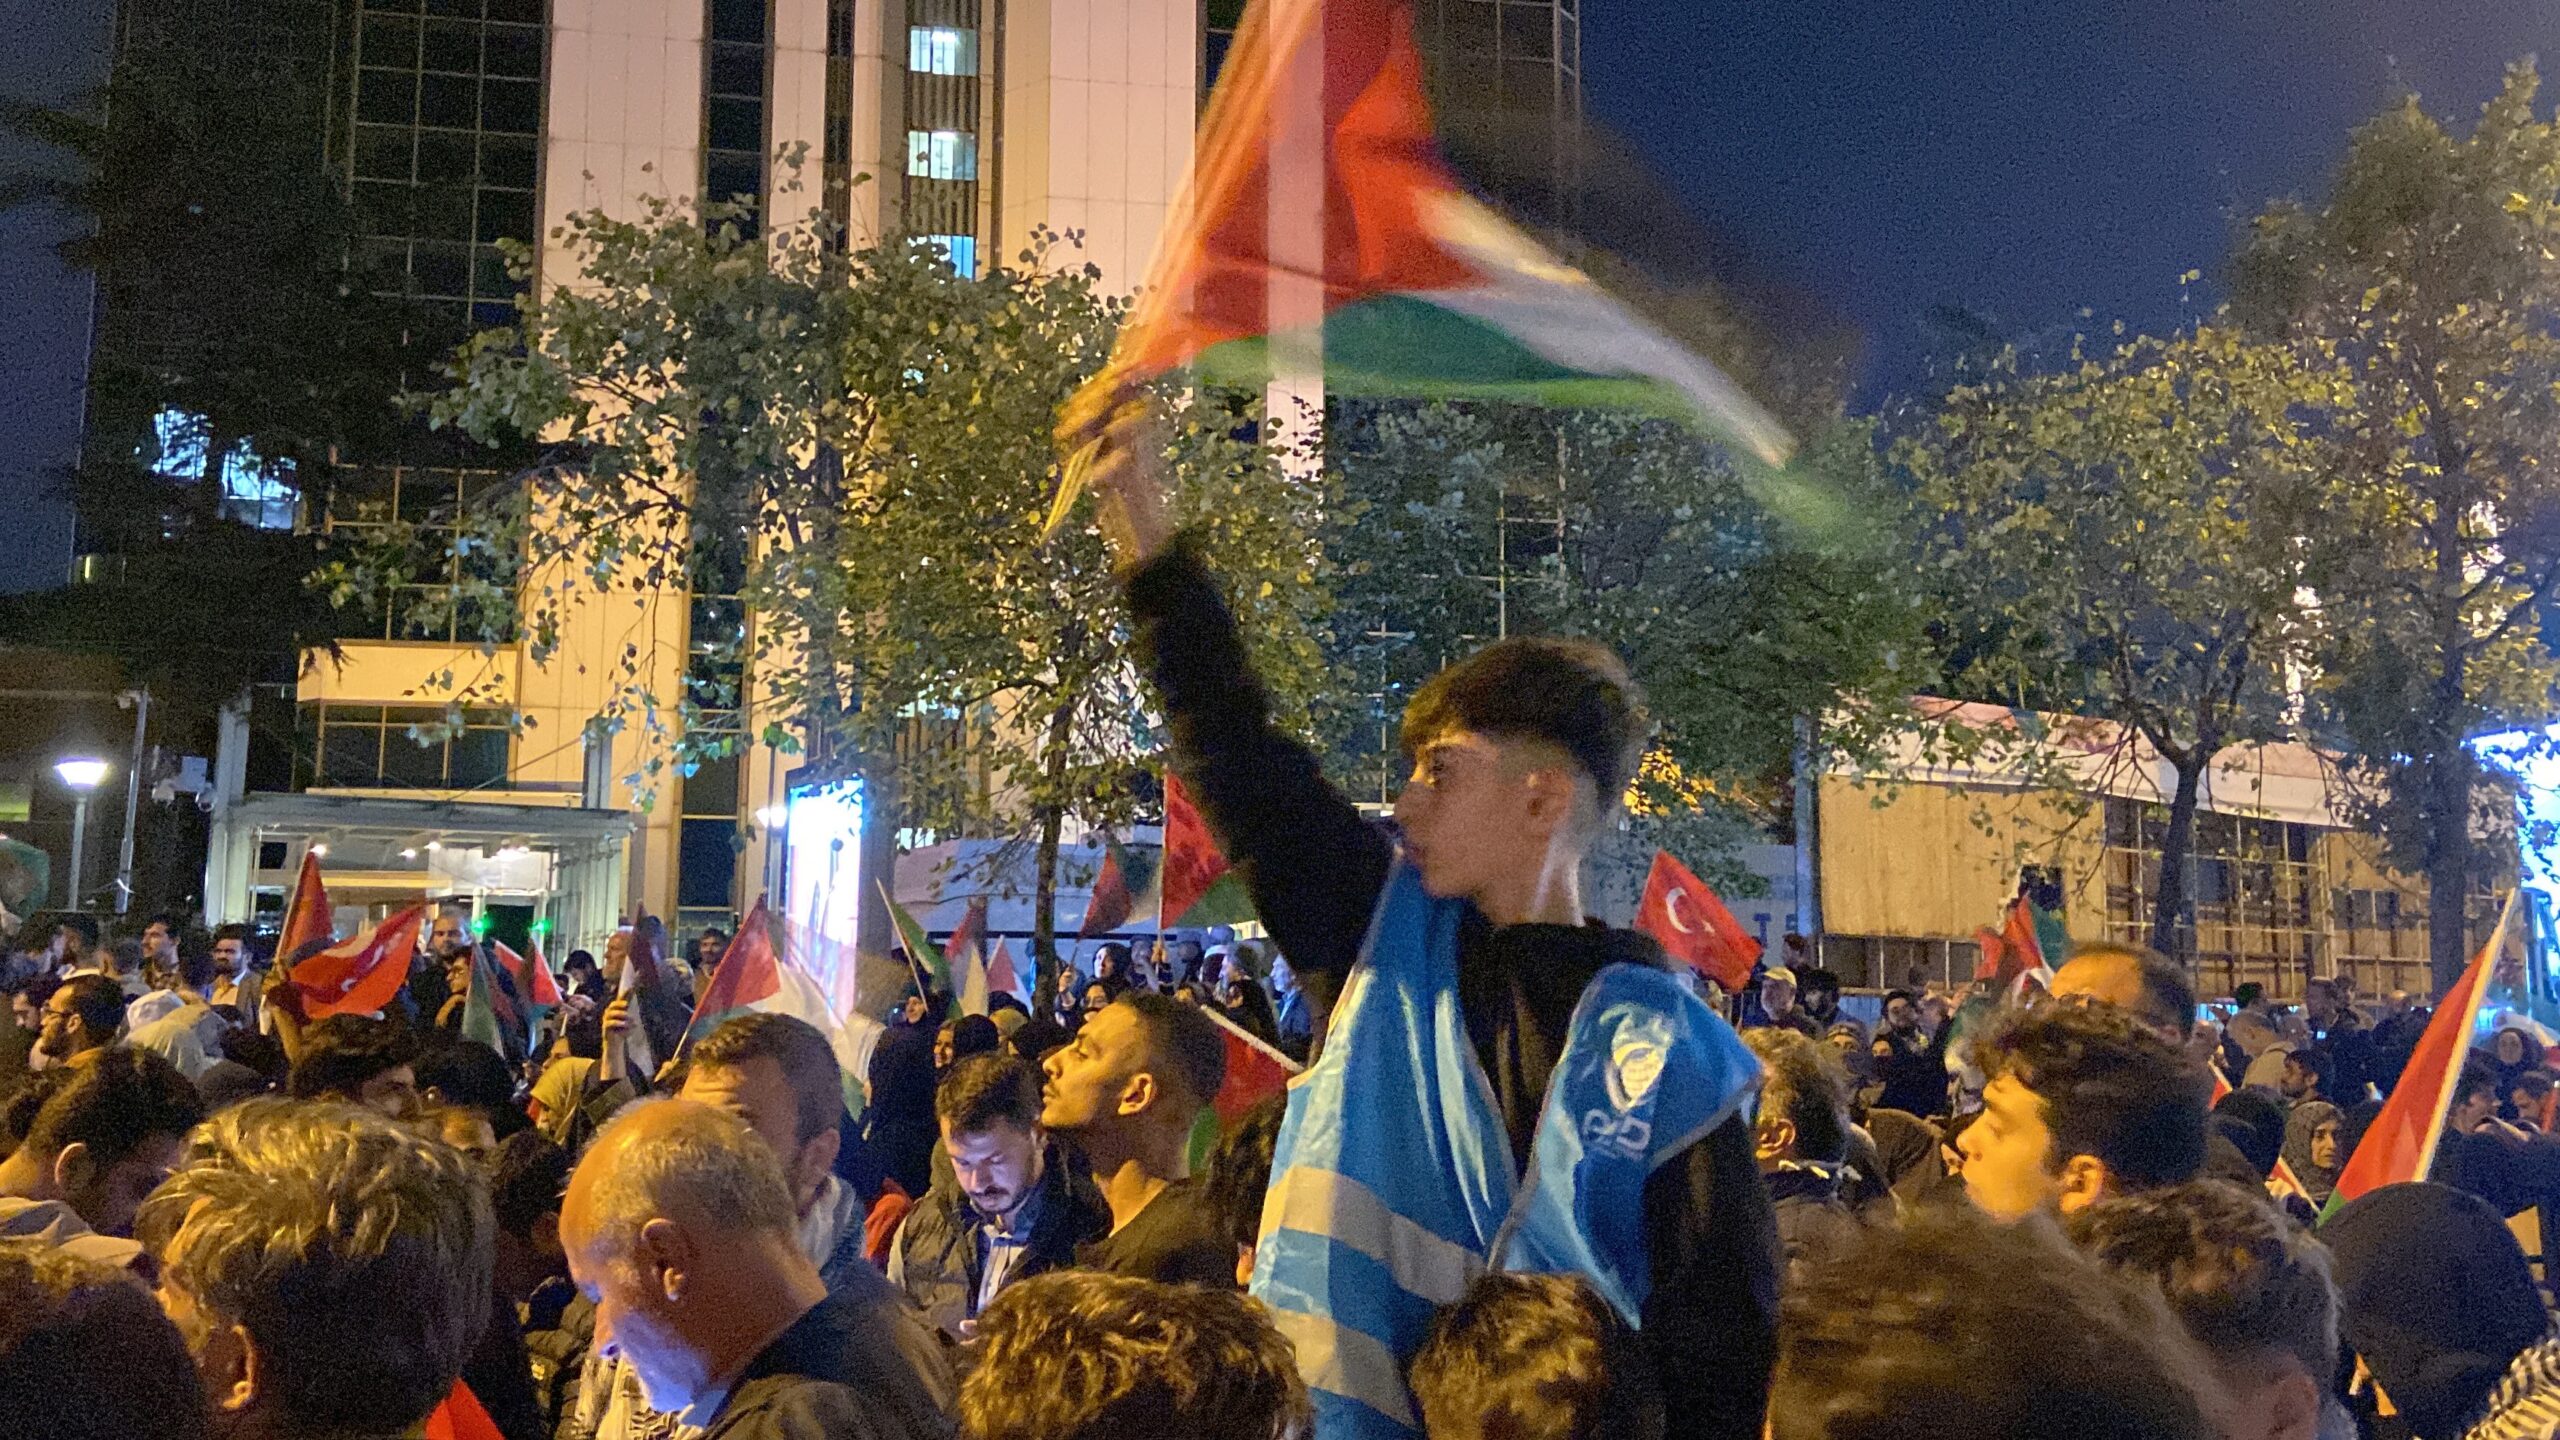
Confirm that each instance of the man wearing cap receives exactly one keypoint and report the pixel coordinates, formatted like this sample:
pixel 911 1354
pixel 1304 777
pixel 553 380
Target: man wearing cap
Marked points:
pixel 1778 1005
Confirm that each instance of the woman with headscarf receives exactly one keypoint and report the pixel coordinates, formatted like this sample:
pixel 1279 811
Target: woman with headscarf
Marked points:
pixel 2313 1148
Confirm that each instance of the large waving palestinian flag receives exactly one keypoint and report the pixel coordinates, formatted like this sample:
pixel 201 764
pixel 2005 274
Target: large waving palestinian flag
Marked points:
pixel 1322 221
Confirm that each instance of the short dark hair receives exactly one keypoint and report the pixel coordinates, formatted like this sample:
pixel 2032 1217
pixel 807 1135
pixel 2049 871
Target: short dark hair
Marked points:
pixel 470 1074
pixel 2168 996
pixel 1913 1329
pixel 115 1104
pixel 1535 1356
pixel 527 1178
pixel 2478 1077
pixel 2109 1086
pixel 1572 694
pixel 195 967
pixel 1087 1355
pixel 343 1052
pixel 1182 1039
pixel 82 927
pixel 233 931
pixel 808 1062
pixel 98 1002
pixel 985 1090
pixel 1240 1170
pixel 58 1315
pixel 2536 1082
pixel 2320 1063
pixel 1815 979
pixel 2247 993
pixel 2242 1278
pixel 1903 995
pixel 1801 1084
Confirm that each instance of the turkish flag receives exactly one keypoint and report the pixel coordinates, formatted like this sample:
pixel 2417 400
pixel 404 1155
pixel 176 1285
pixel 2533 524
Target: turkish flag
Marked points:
pixel 306 912
pixel 1693 925
pixel 358 976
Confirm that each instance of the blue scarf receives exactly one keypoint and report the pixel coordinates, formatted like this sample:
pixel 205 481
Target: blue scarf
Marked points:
pixel 1392 1181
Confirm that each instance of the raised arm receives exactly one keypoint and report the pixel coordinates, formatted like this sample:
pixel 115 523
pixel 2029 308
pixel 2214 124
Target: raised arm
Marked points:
pixel 1314 866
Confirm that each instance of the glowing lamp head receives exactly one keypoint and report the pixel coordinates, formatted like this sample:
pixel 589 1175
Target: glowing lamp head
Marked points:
pixel 83 775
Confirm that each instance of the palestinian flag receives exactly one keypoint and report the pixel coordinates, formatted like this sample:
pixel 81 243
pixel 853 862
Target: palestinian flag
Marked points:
pixel 1195 883
pixel 966 953
pixel 1255 1073
pixel 306 913
pixel 932 970
pixel 2401 1143
pixel 532 977
pixel 1323 228
pixel 2030 943
pixel 1116 888
pixel 1001 974
pixel 755 978
pixel 495 1013
pixel 360 975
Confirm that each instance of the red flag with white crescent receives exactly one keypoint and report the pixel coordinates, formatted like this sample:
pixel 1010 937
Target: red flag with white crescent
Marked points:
pixel 1693 925
pixel 359 976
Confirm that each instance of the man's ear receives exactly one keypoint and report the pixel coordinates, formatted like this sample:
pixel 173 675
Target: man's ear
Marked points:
pixel 546 1236
pixel 1773 1136
pixel 2293 1406
pixel 2085 1181
pixel 75 1169
pixel 232 1368
pixel 1139 1092
pixel 665 1256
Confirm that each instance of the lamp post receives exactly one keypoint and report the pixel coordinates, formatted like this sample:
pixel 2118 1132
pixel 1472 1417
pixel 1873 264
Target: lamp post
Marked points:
pixel 80 776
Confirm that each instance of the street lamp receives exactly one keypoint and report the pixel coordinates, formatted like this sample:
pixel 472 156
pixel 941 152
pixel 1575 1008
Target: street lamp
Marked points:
pixel 81 776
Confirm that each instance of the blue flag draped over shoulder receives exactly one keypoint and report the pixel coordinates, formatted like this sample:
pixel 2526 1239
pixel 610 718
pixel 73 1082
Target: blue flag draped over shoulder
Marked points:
pixel 1393 1186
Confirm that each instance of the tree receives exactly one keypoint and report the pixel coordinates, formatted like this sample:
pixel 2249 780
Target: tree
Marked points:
pixel 857 443
pixel 2134 533
pixel 1741 603
pixel 2429 280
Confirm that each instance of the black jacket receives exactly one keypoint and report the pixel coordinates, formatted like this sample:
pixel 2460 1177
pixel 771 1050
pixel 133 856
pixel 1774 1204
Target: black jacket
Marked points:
pixel 831 1376
pixel 1814 1224
pixel 1316 868
pixel 935 1257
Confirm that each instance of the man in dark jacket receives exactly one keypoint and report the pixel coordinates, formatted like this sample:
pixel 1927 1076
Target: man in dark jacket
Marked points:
pixel 679 1222
pixel 1507 777
pixel 1009 1209
pixel 1800 1135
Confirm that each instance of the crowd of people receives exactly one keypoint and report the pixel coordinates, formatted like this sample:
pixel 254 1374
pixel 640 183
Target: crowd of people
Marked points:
pixel 1536 1183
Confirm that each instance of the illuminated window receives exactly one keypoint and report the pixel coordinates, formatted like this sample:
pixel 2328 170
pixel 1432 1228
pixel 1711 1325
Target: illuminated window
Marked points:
pixel 941 50
pixel 960 250
pixel 942 155
pixel 255 490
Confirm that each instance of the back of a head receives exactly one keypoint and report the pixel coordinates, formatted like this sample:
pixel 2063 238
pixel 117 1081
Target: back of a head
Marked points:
pixel 808 1063
pixel 1804 1085
pixel 1915 1330
pixel 984 1091
pixel 1085 1355
pixel 2166 1000
pixel 471 1074
pixel 2436 1295
pixel 342 1052
pixel 2245 1281
pixel 115 1104
pixel 683 1161
pixel 327 1231
pixel 1183 1047
pixel 86 1354
pixel 2110 1088
pixel 1572 694
pixel 1240 1170
pixel 1534 1357
pixel 527 1177
pixel 2256 1125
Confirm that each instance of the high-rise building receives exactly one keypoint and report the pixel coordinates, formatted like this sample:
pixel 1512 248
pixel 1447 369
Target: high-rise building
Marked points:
pixel 461 124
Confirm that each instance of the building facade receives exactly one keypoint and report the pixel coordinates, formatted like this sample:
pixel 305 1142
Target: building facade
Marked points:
pixel 461 125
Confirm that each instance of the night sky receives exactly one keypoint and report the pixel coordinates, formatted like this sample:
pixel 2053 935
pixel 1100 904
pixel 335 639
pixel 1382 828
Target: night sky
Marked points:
pixel 2020 160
